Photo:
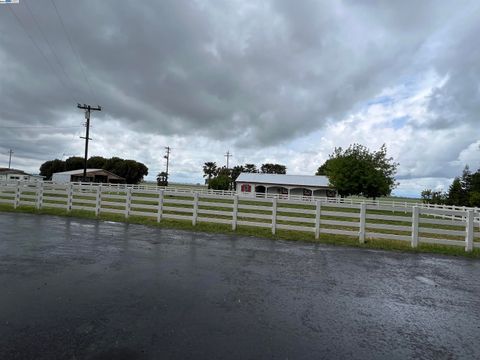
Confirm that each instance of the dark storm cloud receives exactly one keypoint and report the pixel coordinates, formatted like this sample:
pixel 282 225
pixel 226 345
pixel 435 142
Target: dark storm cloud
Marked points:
pixel 458 101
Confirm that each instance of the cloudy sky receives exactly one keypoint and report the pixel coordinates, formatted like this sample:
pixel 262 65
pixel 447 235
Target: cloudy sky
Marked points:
pixel 272 81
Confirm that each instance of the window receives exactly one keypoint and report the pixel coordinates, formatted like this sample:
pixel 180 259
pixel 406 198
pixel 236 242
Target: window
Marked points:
pixel 307 192
pixel 246 188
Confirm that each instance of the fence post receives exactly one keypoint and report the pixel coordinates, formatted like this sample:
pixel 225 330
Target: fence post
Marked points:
pixel 415 219
pixel 128 202
pixel 363 215
pixel 39 195
pixel 469 231
pixel 16 201
pixel 69 197
pixel 195 209
pixel 235 213
pixel 318 210
pixel 98 200
pixel 274 215
pixel 160 205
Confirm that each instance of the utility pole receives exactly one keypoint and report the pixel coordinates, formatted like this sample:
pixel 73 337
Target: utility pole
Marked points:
pixel 10 158
pixel 228 156
pixel 87 109
pixel 167 156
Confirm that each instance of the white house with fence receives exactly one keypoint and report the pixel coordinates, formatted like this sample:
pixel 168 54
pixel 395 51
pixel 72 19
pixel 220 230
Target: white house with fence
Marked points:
pixel 279 184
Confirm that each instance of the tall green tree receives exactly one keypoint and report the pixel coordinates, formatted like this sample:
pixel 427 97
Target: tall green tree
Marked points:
pixel 359 171
pixel 236 171
pixel 457 194
pixel 322 170
pixel 209 170
pixel 74 163
pixel 133 171
pixel 50 167
pixel 96 162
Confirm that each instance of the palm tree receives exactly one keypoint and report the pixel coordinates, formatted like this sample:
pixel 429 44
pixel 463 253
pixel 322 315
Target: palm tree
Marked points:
pixel 236 171
pixel 209 170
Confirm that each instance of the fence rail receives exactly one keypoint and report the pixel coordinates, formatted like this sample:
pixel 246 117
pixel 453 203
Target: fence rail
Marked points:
pixel 380 204
pixel 363 220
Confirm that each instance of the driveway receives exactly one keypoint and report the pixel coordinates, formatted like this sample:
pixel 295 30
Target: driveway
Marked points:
pixel 85 289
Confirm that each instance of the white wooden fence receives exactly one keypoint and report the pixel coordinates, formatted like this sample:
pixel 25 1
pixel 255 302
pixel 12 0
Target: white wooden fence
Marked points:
pixel 193 189
pixel 361 220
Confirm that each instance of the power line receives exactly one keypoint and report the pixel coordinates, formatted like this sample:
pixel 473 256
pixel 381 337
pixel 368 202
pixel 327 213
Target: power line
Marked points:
pixel 22 25
pixel 45 38
pixel 40 127
pixel 73 50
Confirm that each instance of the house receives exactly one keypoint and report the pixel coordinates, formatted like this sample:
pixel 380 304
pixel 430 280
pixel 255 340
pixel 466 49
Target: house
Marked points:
pixel 93 175
pixel 303 185
pixel 7 174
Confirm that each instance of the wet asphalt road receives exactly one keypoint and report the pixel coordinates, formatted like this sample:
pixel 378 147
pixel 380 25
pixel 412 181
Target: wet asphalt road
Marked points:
pixel 81 289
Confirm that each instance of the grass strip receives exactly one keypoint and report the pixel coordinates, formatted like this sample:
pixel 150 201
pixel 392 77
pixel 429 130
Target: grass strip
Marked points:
pixel 289 235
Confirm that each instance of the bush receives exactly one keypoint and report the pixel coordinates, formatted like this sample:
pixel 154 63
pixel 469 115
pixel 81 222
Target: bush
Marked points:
pixel 220 182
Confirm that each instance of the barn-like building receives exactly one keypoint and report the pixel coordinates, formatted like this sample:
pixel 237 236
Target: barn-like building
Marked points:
pixel 302 185
pixel 7 174
pixel 93 175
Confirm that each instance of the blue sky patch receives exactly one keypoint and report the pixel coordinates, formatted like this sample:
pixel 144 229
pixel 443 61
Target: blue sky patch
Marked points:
pixel 400 122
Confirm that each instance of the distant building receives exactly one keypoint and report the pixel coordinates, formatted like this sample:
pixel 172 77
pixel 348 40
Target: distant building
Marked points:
pixel 93 175
pixel 303 185
pixel 7 174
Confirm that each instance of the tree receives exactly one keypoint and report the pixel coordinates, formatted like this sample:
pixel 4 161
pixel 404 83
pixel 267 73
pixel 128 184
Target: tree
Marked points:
pixel 114 164
pixel 96 162
pixel 357 171
pixel 273 169
pixel 162 179
pixel 209 170
pixel 236 171
pixel 474 198
pixel 74 163
pixel 133 171
pixel 223 171
pixel 433 197
pixel 250 168
pixel 457 193
pixel 50 167
pixel 322 170
pixel 220 182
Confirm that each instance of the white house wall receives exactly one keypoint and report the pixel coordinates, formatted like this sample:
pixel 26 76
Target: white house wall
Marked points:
pixel 277 189
pixel 61 178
